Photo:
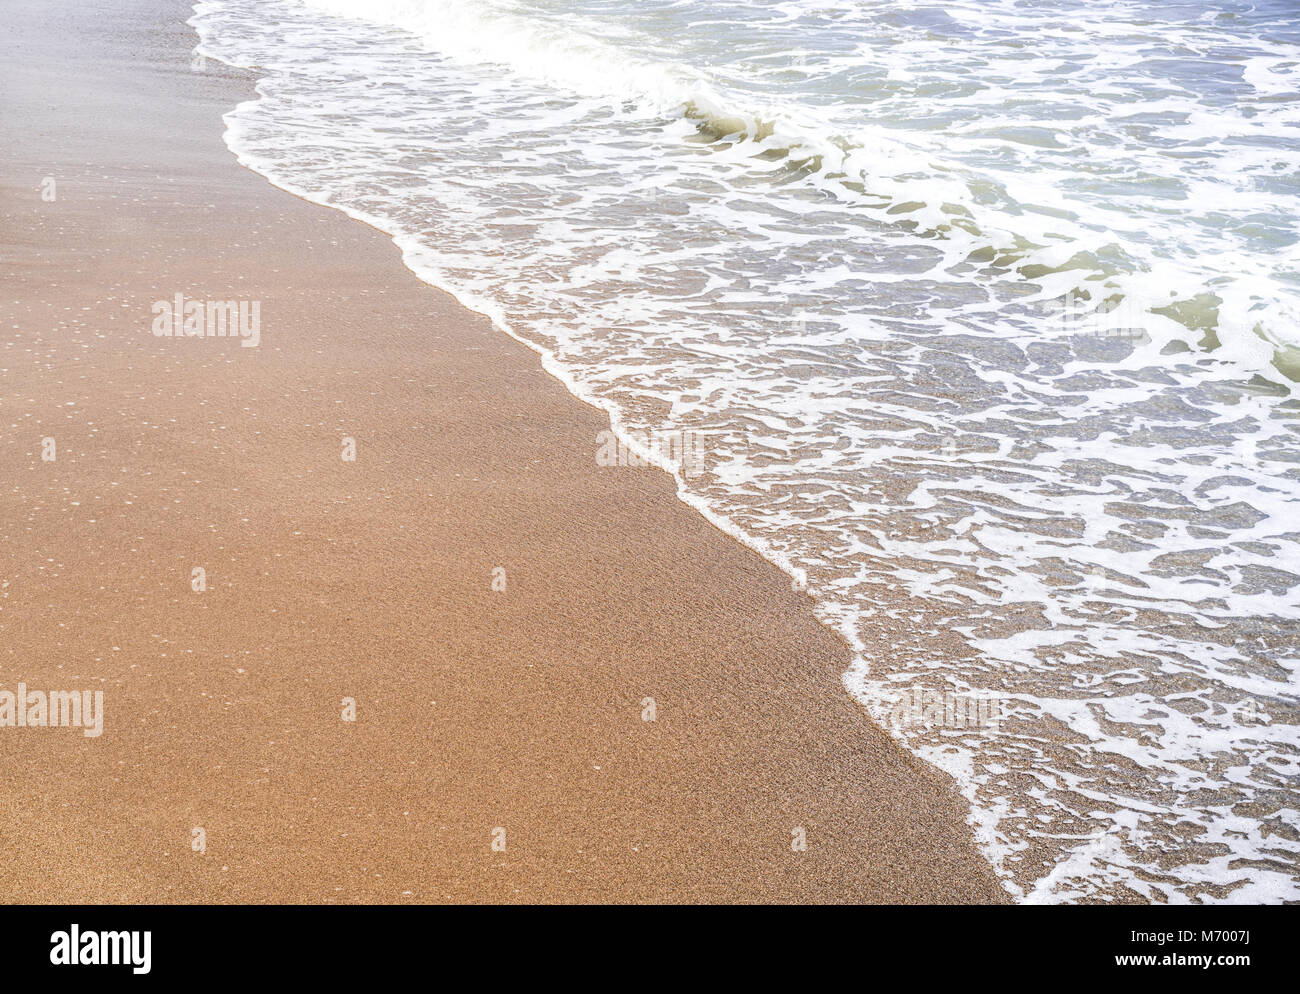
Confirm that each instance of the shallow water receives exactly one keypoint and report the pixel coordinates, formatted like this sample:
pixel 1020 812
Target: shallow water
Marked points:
pixel 989 306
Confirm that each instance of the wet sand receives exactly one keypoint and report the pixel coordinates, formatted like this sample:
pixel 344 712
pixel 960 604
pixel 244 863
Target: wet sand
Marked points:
pixel 476 709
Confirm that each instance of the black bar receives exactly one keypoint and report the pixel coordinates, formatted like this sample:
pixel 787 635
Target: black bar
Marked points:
pixel 976 947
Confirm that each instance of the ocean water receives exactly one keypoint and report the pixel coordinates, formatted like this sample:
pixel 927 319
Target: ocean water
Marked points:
pixel 985 316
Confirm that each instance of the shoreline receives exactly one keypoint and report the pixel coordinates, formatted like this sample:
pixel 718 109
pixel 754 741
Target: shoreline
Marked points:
pixel 372 580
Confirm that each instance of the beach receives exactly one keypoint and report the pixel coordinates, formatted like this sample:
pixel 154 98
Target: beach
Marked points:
pixel 371 622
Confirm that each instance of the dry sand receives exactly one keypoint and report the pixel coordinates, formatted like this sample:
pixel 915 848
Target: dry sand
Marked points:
pixel 369 580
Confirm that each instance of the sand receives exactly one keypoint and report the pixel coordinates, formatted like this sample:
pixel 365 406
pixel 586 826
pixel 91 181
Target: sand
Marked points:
pixel 477 710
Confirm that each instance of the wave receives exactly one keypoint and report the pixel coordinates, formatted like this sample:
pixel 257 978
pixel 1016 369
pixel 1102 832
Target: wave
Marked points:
pixel 1041 238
